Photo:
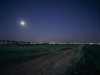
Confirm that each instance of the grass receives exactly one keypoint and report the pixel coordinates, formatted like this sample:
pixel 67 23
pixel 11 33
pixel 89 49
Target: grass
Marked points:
pixel 85 62
pixel 93 53
pixel 16 54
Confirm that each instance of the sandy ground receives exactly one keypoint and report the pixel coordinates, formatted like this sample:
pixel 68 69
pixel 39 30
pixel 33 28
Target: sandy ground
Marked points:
pixel 52 64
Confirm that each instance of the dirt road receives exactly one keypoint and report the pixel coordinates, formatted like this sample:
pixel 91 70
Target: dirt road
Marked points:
pixel 51 64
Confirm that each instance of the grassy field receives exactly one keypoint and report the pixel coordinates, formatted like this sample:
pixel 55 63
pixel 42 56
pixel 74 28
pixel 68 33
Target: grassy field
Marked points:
pixel 86 62
pixel 15 54
pixel 93 53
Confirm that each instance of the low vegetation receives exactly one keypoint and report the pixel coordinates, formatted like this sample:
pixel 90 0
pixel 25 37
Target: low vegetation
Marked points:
pixel 86 61
pixel 15 54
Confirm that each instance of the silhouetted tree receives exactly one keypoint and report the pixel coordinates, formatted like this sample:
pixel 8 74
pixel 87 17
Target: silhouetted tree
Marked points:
pixel 8 40
pixel 3 40
pixel 0 40
pixel 13 41
pixel 16 42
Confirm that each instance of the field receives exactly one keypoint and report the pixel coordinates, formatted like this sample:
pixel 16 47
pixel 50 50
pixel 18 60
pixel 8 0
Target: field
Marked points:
pixel 86 61
pixel 93 53
pixel 15 54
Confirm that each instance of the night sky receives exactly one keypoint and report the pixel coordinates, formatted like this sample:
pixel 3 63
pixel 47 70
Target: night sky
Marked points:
pixel 50 20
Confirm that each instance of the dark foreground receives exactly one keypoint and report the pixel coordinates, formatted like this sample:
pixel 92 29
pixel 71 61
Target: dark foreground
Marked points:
pixel 52 64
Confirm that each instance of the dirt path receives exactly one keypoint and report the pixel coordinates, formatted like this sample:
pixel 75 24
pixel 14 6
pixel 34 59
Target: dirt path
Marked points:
pixel 51 64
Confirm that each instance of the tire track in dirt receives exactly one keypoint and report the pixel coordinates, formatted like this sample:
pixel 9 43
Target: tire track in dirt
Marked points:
pixel 51 64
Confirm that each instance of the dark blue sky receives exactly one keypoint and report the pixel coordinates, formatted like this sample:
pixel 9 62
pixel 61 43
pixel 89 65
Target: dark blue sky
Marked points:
pixel 50 20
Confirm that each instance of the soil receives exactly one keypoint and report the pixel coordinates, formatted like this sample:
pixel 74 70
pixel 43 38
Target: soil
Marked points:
pixel 51 64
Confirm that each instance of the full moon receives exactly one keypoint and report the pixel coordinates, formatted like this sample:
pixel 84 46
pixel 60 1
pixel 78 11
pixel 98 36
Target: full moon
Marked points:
pixel 22 23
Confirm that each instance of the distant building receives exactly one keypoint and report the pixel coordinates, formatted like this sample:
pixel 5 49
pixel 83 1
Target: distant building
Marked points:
pixel 0 42
pixel 52 43
pixel 22 42
pixel 3 42
pixel 58 43
pixel 98 43
pixel 40 43
pixel 32 43
pixel 91 43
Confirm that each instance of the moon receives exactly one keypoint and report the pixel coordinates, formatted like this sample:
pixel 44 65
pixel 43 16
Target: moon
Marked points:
pixel 22 23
